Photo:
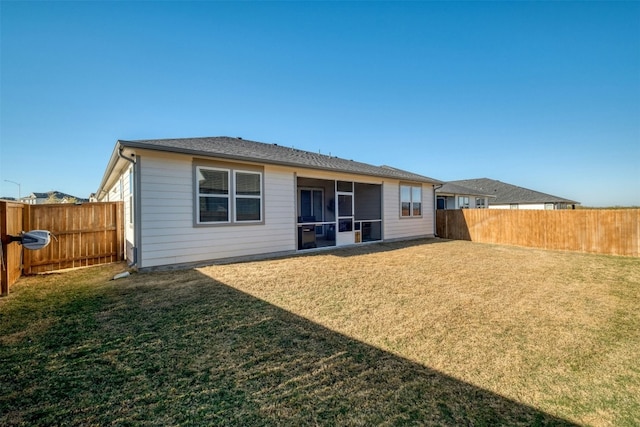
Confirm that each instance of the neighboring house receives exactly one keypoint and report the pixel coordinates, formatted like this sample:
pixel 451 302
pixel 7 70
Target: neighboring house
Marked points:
pixel 35 198
pixel 453 196
pixel 194 200
pixel 509 196
pixel 51 197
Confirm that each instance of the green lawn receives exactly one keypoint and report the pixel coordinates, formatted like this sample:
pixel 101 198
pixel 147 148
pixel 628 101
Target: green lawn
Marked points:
pixel 450 333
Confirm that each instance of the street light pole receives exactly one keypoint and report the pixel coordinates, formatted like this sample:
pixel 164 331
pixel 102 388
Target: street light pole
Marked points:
pixel 19 187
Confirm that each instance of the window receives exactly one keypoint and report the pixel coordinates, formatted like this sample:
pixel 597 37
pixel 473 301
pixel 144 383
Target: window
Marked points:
pixel 410 201
pixel 213 195
pixel 248 196
pixel 480 203
pixel 130 196
pixel 226 196
pixel 463 202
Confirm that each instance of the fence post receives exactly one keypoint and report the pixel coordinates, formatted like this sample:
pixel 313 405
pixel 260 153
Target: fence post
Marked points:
pixel 4 269
pixel 446 225
pixel 119 208
pixel 26 224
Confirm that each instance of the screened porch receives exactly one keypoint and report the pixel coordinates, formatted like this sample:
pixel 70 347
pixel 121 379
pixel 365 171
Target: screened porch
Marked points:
pixel 335 213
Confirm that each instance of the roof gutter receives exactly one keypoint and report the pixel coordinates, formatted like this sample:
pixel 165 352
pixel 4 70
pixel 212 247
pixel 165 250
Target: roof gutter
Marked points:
pixel 113 160
pixel 133 161
pixel 122 156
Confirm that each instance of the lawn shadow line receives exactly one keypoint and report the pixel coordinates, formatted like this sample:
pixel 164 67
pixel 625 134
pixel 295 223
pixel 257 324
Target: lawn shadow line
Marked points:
pixel 181 348
pixel 357 382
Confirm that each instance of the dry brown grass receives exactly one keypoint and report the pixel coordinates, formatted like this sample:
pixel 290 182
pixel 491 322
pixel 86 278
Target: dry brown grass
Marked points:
pixel 419 333
pixel 554 330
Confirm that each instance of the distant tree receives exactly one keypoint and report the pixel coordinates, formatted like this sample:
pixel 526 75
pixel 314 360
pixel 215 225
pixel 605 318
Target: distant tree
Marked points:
pixel 57 197
pixel 52 199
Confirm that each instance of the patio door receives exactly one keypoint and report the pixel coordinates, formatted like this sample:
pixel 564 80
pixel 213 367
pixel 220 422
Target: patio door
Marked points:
pixel 312 206
pixel 344 193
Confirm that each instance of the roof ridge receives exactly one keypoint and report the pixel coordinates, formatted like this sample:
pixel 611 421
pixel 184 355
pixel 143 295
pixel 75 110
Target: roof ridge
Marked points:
pixel 270 153
pixel 510 193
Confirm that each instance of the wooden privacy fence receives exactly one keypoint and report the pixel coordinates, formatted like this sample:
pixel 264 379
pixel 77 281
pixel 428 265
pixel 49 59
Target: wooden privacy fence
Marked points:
pixel 83 235
pixel 607 231
pixel 11 216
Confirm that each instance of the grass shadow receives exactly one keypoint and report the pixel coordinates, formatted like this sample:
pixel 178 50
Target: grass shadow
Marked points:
pixel 179 348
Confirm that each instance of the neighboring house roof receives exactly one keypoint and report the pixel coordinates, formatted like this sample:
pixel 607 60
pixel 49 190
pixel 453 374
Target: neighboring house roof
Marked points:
pixel 451 188
pixel 55 194
pixel 508 193
pixel 242 149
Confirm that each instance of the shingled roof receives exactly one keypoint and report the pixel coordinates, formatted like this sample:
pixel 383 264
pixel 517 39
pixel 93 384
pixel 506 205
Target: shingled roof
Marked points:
pixel 508 193
pixel 451 188
pixel 245 150
pixel 55 195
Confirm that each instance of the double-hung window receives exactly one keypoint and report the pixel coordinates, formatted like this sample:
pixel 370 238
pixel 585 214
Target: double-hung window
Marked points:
pixel 248 196
pixel 213 195
pixel 410 201
pixel 228 196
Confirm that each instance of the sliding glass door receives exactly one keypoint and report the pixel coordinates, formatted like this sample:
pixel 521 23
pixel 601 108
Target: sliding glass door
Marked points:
pixel 312 206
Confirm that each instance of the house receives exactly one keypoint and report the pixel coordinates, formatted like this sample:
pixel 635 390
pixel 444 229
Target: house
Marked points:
pixel 193 200
pixel 50 197
pixel 35 198
pixel 508 196
pixel 453 196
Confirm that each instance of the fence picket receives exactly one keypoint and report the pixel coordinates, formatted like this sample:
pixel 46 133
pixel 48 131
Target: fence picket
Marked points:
pixel 87 234
pixel 603 231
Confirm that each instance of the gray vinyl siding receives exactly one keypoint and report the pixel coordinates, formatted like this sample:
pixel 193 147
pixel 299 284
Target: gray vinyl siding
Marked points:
pixel 397 228
pixel 168 235
pixel 167 231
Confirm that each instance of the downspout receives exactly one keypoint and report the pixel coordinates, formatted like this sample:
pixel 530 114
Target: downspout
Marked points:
pixel 135 188
pixel 435 208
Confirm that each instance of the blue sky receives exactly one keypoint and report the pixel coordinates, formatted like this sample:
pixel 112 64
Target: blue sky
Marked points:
pixel 545 95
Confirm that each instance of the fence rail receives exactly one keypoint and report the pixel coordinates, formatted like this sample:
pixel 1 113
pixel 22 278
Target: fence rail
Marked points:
pixel 603 231
pixel 87 234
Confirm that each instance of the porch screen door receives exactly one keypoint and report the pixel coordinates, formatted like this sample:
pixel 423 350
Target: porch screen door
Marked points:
pixel 345 235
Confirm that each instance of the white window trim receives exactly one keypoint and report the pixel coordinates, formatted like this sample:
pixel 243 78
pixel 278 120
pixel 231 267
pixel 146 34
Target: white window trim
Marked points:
pixel 463 202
